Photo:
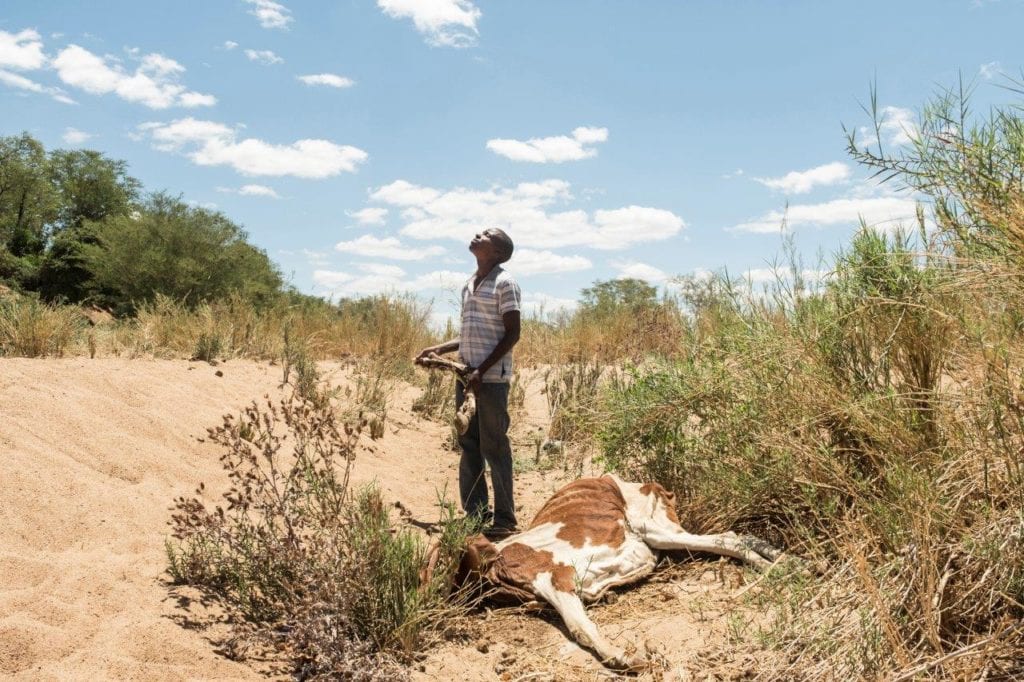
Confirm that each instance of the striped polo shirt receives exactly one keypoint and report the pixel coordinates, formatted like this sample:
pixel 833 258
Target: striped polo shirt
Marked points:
pixel 482 326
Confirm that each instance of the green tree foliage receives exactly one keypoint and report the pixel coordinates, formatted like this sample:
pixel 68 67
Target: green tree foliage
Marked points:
pixel 168 247
pixel 90 187
pixel 604 298
pixel 28 204
pixel 73 228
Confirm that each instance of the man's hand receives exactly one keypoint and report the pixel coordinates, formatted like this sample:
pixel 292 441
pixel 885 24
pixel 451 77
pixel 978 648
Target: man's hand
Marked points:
pixel 473 380
pixel 426 352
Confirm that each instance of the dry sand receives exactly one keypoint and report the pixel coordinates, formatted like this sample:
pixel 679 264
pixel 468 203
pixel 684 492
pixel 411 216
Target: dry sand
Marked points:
pixel 93 454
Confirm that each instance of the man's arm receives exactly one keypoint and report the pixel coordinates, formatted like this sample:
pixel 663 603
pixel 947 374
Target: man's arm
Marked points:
pixel 511 320
pixel 440 349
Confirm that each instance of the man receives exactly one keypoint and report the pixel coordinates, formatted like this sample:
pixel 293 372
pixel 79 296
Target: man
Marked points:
pixel 489 329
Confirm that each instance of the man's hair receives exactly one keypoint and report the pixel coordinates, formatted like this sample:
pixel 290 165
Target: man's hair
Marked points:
pixel 504 244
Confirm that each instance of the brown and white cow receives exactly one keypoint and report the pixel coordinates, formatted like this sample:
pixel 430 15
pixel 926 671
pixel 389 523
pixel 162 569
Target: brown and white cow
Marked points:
pixel 594 534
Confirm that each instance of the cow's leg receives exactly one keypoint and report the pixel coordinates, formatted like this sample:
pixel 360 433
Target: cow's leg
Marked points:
pixel 583 630
pixel 667 535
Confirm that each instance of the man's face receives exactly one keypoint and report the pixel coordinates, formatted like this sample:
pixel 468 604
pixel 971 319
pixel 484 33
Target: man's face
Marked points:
pixel 483 244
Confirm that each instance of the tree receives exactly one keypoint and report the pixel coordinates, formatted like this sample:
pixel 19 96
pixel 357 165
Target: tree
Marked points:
pixel 613 295
pixel 167 247
pixel 28 203
pixel 90 187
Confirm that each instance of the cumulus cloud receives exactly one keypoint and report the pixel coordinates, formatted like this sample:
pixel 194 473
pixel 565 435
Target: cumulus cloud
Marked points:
pixel 897 125
pixel 531 262
pixel 373 279
pixel 270 14
pixel 230 45
pixel 556 149
pixel 369 246
pixel 251 191
pixel 328 79
pixel 990 70
pixel 529 211
pixel 208 143
pixel 370 216
pixel 75 136
pixel 22 51
pixel 444 23
pixel 635 270
pixel 263 57
pixel 884 212
pixel 16 80
pixel 154 83
pixel 801 182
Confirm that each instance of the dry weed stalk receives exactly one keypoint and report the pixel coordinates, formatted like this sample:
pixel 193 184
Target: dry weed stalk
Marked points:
pixel 315 570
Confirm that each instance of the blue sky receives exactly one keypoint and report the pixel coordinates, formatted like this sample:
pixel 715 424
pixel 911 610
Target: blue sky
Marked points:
pixel 362 143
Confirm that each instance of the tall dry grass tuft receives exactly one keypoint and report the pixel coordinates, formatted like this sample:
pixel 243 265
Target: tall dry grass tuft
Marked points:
pixel 32 329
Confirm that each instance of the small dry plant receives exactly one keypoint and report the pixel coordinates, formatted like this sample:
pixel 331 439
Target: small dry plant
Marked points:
pixel 437 401
pixel 306 565
pixel 573 395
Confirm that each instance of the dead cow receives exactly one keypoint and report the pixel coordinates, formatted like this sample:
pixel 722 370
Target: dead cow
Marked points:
pixel 594 534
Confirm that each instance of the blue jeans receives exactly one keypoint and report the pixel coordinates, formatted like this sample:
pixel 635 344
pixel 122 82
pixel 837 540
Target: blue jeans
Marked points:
pixel 486 440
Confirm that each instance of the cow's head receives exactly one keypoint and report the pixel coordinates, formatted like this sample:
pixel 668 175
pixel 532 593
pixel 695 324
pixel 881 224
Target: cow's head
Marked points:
pixel 477 557
pixel 476 560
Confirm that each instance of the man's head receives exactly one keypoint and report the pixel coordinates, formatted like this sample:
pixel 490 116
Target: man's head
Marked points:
pixel 492 243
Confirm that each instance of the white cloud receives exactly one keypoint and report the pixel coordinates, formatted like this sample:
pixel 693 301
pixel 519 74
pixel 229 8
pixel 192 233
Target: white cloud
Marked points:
pixel 990 70
pixel 635 270
pixel 884 212
pixel 75 136
pixel 22 50
pixel 897 125
pixel 18 81
pixel 624 226
pixel 270 14
pixel 528 211
pixel 382 270
pixel 735 174
pixel 377 279
pixel 251 191
pixel 551 149
pixel 153 84
pixel 370 216
pixel 387 247
pixel 191 100
pixel 230 45
pixel 531 262
pixel 329 79
pixel 215 144
pixel 445 23
pixel 315 257
pixel 263 57
pixel 258 191
pixel 801 182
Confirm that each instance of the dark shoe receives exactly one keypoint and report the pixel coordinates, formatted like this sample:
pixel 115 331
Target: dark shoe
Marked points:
pixel 495 533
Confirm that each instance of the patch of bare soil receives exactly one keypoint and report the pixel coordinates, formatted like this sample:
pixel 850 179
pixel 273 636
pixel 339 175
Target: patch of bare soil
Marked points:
pixel 94 452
